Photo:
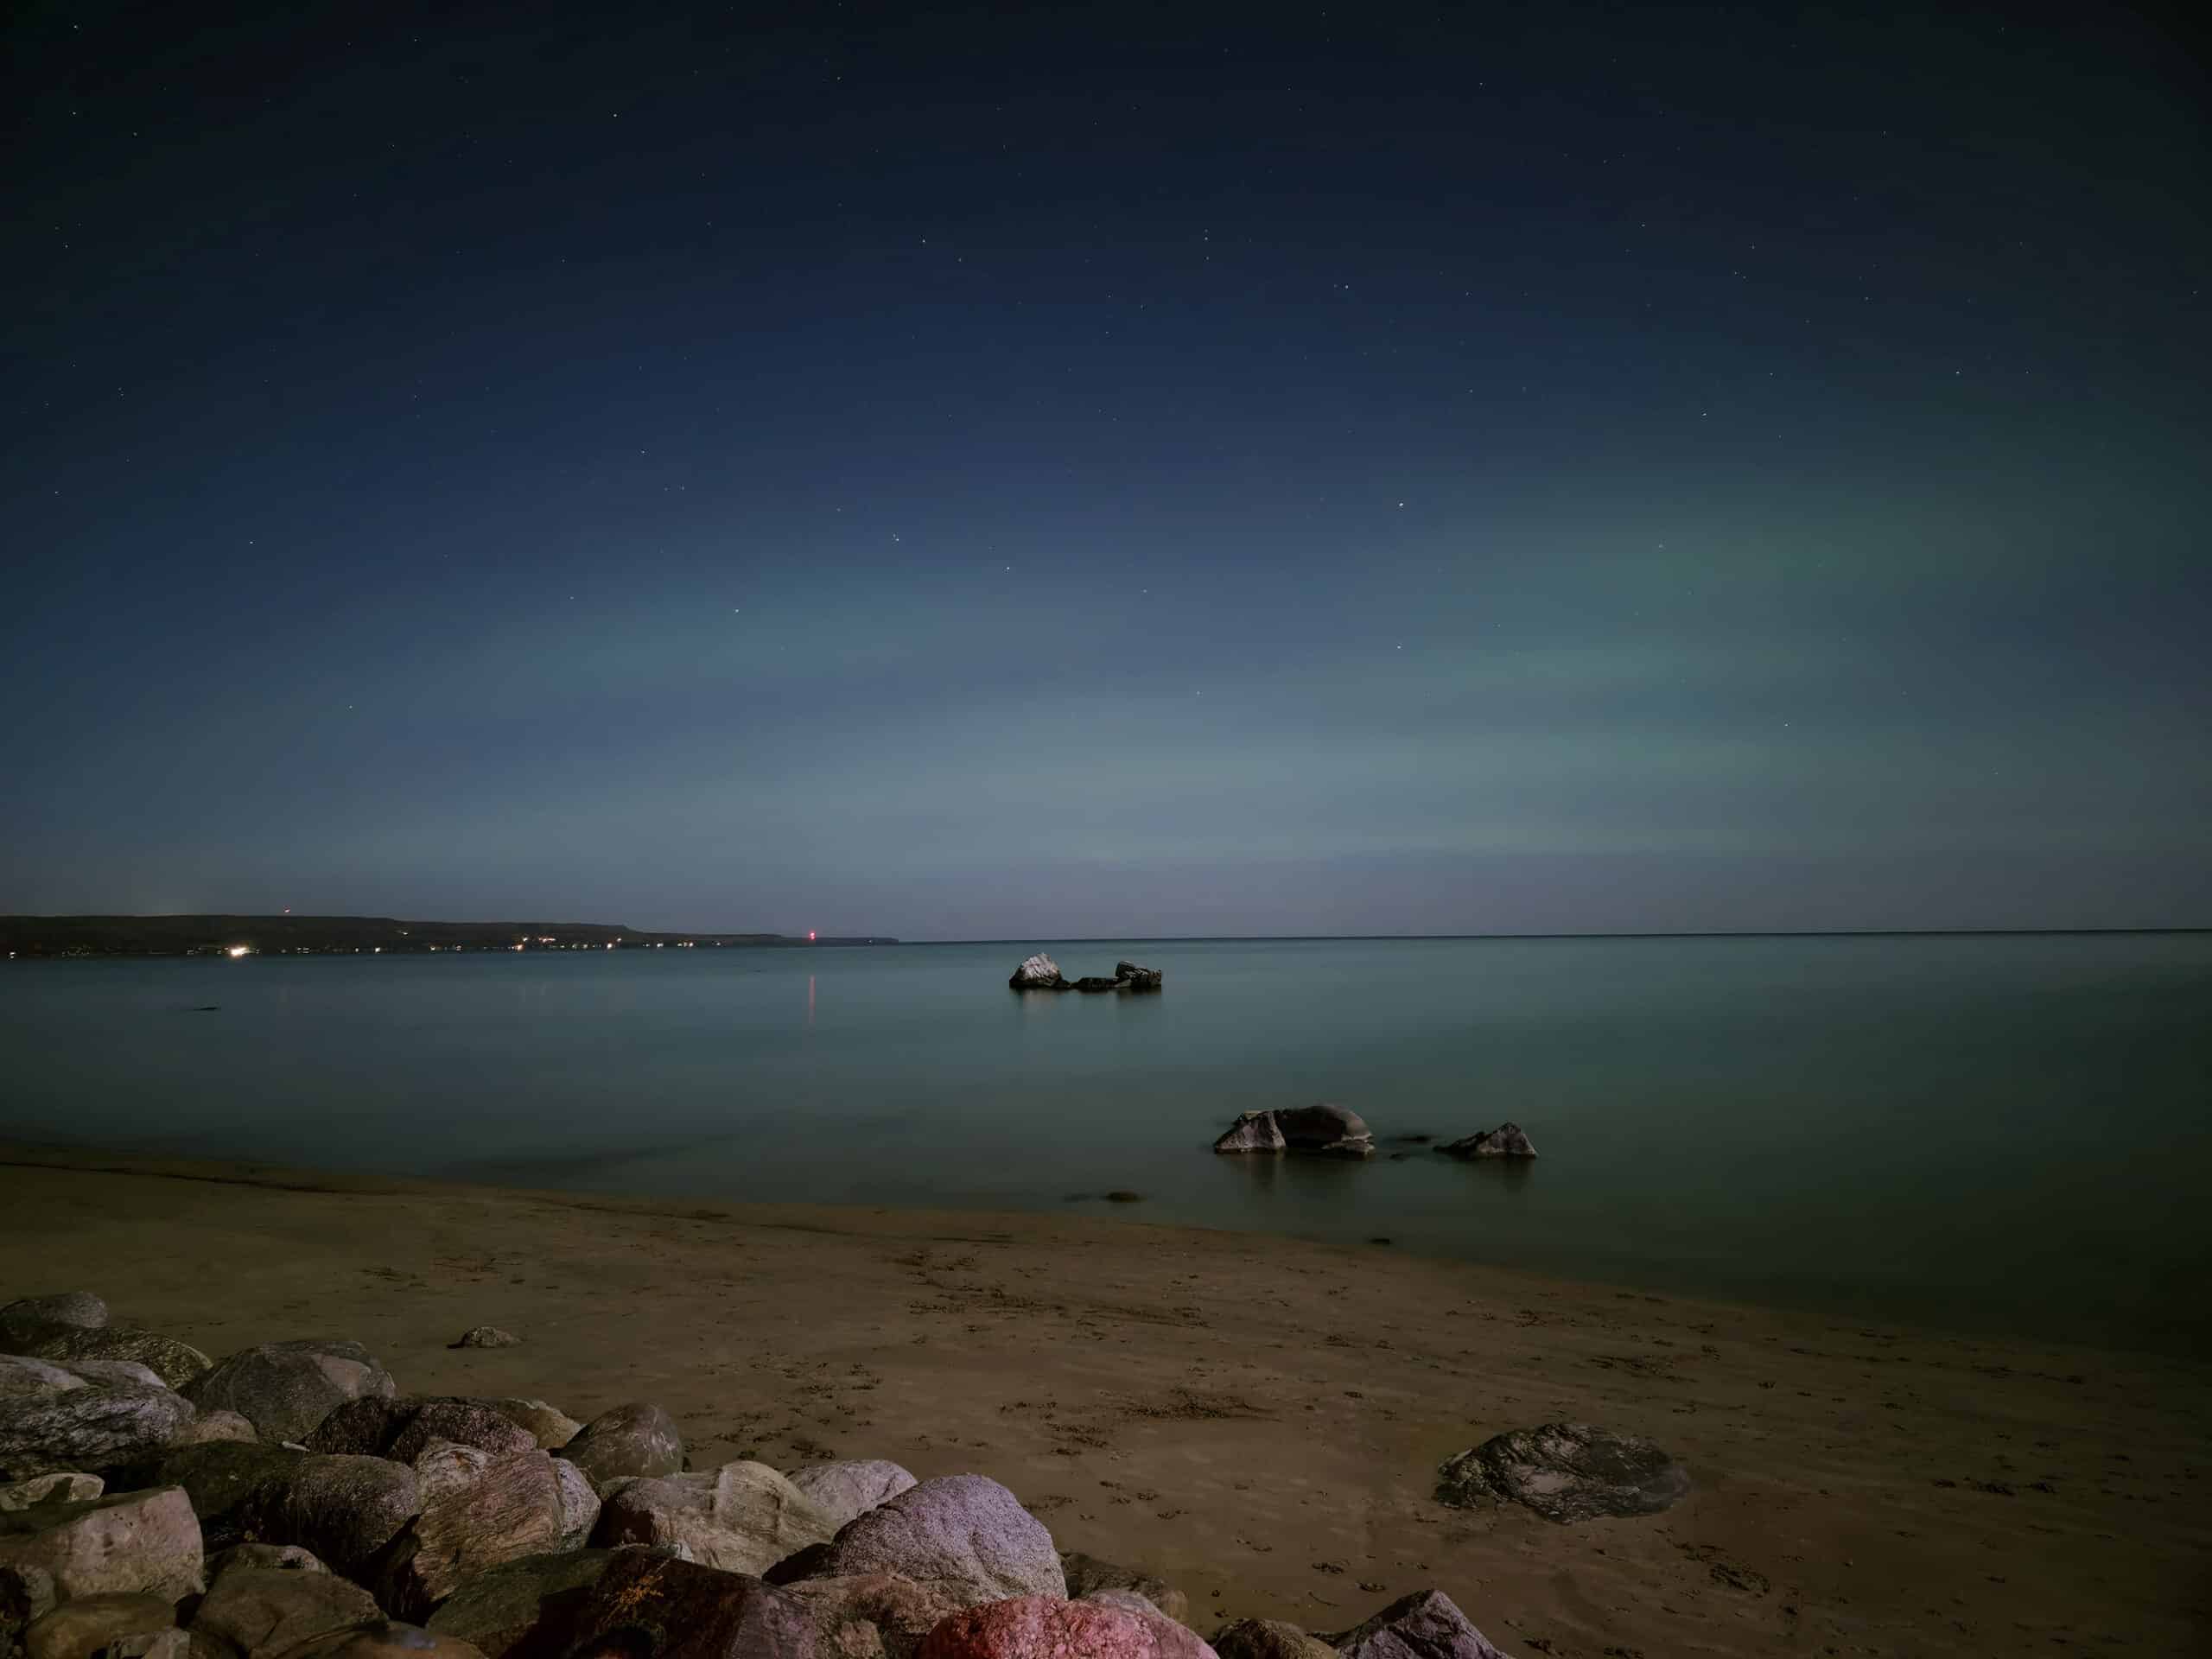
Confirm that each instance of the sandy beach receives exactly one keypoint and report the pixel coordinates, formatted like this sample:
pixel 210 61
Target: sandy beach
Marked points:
pixel 1256 1419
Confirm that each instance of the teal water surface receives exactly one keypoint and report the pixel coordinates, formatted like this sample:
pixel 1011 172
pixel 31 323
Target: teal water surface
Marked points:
pixel 2005 1133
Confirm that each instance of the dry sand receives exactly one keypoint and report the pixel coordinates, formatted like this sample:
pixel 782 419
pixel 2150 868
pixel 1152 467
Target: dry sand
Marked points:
pixel 1258 1420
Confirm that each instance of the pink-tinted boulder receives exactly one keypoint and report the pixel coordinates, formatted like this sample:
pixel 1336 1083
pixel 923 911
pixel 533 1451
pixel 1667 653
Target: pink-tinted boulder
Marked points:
pixel 1043 1627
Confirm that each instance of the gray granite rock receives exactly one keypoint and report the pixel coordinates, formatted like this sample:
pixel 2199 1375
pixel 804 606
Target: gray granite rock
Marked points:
pixel 965 1533
pixel 347 1509
pixel 552 1428
pixel 1565 1471
pixel 579 1504
pixel 125 1543
pixel 22 1375
pixel 215 1426
pixel 175 1362
pixel 867 1613
pixel 261 1611
pixel 843 1490
pixel 28 1318
pixel 742 1517
pixel 639 1439
pixel 478 1509
pixel 1506 1141
pixel 1252 1132
pixel 1039 973
pixel 87 1428
pixel 402 1427
pixel 1424 1626
pixel 107 1373
pixel 286 1389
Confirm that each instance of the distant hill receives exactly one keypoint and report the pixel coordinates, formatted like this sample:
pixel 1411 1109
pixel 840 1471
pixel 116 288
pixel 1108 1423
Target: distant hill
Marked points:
pixel 287 935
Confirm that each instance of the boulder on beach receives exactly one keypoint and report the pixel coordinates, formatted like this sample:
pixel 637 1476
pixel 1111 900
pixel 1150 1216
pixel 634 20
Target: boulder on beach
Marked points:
pixel 1027 1627
pixel 868 1613
pixel 127 1543
pixel 89 1428
pixel 219 1478
pixel 210 1425
pixel 264 1609
pixel 644 1606
pixel 1268 1638
pixel 552 1428
pixel 107 1373
pixel 638 1439
pixel 286 1389
pixel 64 1487
pixel 28 1318
pixel 273 1558
pixel 1088 1576
pixel 402 1428
pixel 1039 973
pixel 1565 1471
pixel 177 1363
pixel 499 1608
pixel 347 1509
pixel 486 1336
pixel 1335 1131
pixel 91 1625
pixel 742 1517
pixel 966 1533
pixel 1136 977
pixel 1506 1141
pixel 20 1375
pixel 478 1509
pixel 1424 1626
pixel 845 1489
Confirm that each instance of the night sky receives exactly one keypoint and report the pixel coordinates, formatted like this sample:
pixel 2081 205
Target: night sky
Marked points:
pixel 1120 471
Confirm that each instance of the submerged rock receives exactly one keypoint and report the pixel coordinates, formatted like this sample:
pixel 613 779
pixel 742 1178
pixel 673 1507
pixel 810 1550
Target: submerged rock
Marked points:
pixel 1565 1471
pixel 1425 1625
pixel 1506 1141
pixel 1039 973
pixel 1336 1131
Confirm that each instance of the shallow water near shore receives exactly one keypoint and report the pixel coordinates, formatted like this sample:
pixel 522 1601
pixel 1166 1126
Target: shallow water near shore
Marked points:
pixel 2005 1133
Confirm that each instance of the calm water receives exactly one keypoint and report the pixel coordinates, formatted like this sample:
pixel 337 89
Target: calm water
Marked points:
pixel 1997 1133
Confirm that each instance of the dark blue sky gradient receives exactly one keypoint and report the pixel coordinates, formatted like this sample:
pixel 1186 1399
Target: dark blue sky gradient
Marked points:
pixel 1116 471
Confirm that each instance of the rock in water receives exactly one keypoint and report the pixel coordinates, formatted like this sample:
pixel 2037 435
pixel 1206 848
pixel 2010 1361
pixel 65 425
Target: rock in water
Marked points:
pixel 1422 1626
pixel 175 1362
pixel 1268 1638
pixel 286 1389
pixel 478 1510
pixel 262 1610
pixel 1252 1132
pixel 1087 1575
pixel 634 1439
pixel 129 1544
pixel 486 1335
pixel 1565 1471
pixel 743 1517
pixel 87 1428
pixel 346 1509
pixel 1137 978
pixel 1506 1141
pixel 1029 1627
pixel 65 1488
pixel 1039 973
pixel 31 1317
pixel 964 1532
pixel 499 1608
pixel 842 1490
pixel 649 1606
pixel 89 1625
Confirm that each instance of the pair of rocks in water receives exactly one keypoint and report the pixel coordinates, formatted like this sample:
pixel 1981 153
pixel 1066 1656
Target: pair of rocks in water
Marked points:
pixel 1338 1132
pixel 1041 972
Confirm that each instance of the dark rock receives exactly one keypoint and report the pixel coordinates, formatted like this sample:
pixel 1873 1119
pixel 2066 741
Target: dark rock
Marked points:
pixel 1332 1131
pixel 1268 1638
pixel 1565 1471
pixel 639 1439
pixel 261 1610
pixel 964 1532
pixel 66 1487
pixel 1094 982
pixel 1039 973
pixel 286 1389
pixel 381 1640
pixel 268 1558
pixel 844 1489
pixel 742 1517
pixel 402 1428
pixel 867 1613
pixel 1029 1627
pixel 219 1477
pixel 1425 1625
pixel 1137 978
pixel 1252 1132
pixel 486 1336
pixel 649 1606
pixel 347 1509
pixel 31 1317
pixel 501 1609
pixel 81 1627
pixel 478 1509
pixel 87 1428
pixel 175 1362
pixel 127 1544
pixel 1506 1141
pixel 1087 1574
pixel 27 1592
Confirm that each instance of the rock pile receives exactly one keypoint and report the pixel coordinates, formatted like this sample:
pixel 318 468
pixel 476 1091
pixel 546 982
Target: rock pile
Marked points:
pixel 1041 972
pixel 288 1502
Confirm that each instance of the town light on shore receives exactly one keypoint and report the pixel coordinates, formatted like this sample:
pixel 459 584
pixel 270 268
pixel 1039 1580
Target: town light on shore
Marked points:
pixel 237 950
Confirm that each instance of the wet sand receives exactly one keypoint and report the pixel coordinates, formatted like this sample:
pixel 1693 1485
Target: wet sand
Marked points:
pixel 1256 1419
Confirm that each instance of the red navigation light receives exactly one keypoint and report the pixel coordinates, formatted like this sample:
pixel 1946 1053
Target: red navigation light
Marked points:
pixel 810 936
